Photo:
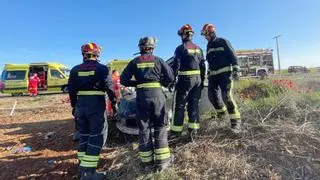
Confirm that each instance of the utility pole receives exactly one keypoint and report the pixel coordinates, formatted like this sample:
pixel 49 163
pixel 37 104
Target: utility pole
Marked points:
pixel 278 54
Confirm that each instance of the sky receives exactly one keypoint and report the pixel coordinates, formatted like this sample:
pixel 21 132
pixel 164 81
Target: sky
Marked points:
pixel 53 31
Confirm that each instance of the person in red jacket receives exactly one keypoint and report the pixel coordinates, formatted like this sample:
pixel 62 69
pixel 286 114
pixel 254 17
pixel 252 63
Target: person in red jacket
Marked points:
pixel 116 89
pixel 42 79
pixel 33 85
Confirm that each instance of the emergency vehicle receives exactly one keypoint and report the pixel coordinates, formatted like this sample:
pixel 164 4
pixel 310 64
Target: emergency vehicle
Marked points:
pixel 15 77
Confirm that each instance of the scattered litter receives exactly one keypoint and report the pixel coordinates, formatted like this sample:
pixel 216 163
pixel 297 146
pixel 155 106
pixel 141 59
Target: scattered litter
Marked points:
pixel 13 108
pixel 24 149
pixel 50 135
pixel 8 148
pixel 51 161
pixel 59 172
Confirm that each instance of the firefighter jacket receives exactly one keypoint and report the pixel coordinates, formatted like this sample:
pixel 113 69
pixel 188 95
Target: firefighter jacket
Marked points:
pixel 189 60
pixel 149 71
pixel 90 78
pixel 221 56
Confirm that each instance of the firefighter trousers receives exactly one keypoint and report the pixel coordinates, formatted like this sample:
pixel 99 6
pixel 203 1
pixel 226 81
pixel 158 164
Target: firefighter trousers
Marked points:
pixel 221 85
pixel 93 128
pixel 188 90
pixel 153 147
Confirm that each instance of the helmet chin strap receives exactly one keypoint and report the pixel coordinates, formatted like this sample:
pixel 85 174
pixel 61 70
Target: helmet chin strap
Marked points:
pixel 213 36
pixel 186 38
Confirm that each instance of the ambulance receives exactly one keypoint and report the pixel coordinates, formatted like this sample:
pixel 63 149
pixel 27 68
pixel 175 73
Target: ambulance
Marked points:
pixel 15 77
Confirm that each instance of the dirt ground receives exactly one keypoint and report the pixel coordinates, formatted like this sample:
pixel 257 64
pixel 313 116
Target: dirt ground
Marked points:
pixel 49 158
pixel 282 151
pixel 53 158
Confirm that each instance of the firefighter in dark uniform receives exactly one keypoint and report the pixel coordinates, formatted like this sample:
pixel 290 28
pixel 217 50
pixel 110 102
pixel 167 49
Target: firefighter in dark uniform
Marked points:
pixel 150 73
pixel 223 67
pixel 88 83
pixel 189 66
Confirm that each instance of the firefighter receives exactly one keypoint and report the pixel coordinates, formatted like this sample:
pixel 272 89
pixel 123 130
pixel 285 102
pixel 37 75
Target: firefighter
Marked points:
pixel 189 66
pixel 88 83
pixel 223 67
pixel 33 85
pixel 150 73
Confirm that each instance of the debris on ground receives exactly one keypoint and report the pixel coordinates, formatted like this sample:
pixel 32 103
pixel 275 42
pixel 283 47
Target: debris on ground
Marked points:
pixel 50 135
pixel 22 149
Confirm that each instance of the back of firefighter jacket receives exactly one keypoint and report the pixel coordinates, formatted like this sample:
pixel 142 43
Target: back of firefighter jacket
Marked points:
pixel 220 54
pixel 90 78
pixel 188 60
pixel 146 69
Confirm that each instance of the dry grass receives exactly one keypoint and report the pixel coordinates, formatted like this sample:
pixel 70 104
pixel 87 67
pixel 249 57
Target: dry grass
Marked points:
pixel 281 140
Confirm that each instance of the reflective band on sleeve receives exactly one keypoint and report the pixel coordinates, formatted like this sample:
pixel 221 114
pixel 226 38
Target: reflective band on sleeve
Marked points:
pixel 236 67
pixel 149 85
pixel 215 49
pixel 224 109
pixel 221 70
pixel 86 73
pixel 91 93
pixel 145 65
pixel 194 51
pixel 176 128
pixel 194 125
pixel 145 154
pixel 162 150
pixel 186 73
pixel 88 164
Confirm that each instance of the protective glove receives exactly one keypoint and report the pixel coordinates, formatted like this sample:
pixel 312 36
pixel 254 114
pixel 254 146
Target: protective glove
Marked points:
pixel 235 75
pixel 235 72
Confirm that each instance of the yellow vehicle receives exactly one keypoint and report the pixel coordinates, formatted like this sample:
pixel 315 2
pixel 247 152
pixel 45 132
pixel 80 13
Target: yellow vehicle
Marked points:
pixel 15 77
pixel 118 65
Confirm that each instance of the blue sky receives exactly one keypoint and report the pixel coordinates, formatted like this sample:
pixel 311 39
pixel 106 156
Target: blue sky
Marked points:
pixel 38 31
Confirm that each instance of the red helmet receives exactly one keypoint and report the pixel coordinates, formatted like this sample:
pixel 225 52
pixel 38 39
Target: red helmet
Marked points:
pixel 91 48
pixel 185 29
pixel 208 29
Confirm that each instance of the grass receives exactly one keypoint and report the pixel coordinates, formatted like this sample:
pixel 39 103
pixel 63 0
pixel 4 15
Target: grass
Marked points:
pixel 281 138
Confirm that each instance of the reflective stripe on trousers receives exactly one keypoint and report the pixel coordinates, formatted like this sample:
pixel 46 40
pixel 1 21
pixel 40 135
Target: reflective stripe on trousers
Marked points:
pixel 191 72
pixel 162 154
pixel 149 85
pixel 146 156
pixel 91 93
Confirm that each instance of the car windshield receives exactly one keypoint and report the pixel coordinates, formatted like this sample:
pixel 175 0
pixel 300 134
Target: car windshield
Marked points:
pixel 65 71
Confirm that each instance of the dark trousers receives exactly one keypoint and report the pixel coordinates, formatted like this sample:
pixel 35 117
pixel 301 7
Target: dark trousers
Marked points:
pixel 187 91
pixel 221 85
pixel 92 128
pixel 153 147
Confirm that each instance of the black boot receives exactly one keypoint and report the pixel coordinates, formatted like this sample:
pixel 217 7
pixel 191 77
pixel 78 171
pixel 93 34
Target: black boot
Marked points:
pixel 93 176
pixel 174 135
pixel 235 125
pixel 163 166
pixel 147 167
